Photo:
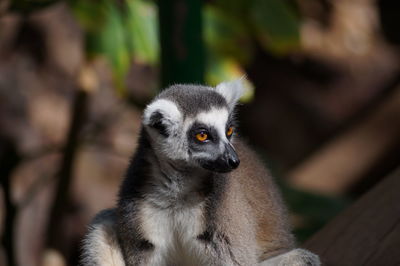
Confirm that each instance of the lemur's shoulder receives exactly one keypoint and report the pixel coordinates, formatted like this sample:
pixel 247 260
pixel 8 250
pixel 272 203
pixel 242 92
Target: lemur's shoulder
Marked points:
pixel 100 246
pixel 261 195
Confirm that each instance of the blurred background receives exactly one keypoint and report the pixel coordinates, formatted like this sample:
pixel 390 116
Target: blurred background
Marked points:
pixel 322 105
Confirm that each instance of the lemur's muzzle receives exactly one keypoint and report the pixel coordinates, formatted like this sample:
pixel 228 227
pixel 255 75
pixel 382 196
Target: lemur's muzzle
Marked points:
pixel 230 157
pixel 226 162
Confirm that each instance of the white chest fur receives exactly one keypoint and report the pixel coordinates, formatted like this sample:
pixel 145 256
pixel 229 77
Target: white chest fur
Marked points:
pixel 174 235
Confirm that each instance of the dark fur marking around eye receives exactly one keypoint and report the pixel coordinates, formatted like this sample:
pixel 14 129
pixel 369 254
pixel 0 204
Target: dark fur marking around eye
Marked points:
pixel 156 122
pixel 198 127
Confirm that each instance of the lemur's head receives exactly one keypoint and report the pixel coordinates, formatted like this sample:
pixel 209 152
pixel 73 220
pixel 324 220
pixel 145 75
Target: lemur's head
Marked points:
pixel 195 124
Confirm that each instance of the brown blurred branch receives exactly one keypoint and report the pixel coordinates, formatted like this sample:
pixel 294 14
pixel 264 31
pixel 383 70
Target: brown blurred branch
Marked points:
pixel 9 160
pixel 87 83
pixel 62 190
pixel 41 152
pixel 343 161
pixel 34 189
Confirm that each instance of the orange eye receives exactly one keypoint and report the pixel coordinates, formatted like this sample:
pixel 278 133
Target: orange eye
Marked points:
pixel 202 136
pixel 229 132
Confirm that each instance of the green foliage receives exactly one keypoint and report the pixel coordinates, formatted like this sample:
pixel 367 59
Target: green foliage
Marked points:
pixel 225 58
pixel 142 31
pixel 226 36
pixel 111 42
pixel 272 22
pixel 221 69
pixel 275 25
pixel 230 28
pixel 127 30
pixel 119 33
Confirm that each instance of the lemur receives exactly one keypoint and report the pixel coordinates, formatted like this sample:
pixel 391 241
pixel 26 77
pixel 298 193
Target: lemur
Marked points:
pixel 194 193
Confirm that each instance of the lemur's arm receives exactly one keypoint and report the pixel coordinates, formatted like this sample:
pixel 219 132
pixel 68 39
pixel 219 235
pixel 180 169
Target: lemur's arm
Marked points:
pixel 101 247
pixel 295 257
pixel 134 246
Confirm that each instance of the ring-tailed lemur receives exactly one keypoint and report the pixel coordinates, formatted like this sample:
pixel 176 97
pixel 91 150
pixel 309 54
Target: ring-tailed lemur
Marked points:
pixel 185 200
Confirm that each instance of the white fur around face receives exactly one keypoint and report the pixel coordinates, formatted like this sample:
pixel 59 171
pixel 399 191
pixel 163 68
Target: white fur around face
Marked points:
pixel 167 108
pixel 174 145
pixel 216 118
pixel 231 90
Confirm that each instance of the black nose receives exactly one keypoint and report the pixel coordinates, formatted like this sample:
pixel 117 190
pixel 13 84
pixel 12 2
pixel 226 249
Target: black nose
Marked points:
pixel 234 162
pixel 231 156
pixel 225 163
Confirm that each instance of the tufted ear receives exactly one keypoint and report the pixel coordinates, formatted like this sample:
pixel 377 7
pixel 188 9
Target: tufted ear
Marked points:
pixel 163 116
pixel 231 90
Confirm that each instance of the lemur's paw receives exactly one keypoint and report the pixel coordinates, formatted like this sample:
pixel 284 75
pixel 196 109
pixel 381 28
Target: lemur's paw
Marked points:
pixel 295 257
pixel 299 257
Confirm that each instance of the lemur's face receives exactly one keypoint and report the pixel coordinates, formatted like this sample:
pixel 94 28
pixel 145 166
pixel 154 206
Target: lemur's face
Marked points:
pixel 195 125
pixel 209 138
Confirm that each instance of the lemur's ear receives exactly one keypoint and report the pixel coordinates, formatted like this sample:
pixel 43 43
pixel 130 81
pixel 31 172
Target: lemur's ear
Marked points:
pixel 162 115
pixel 231 90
